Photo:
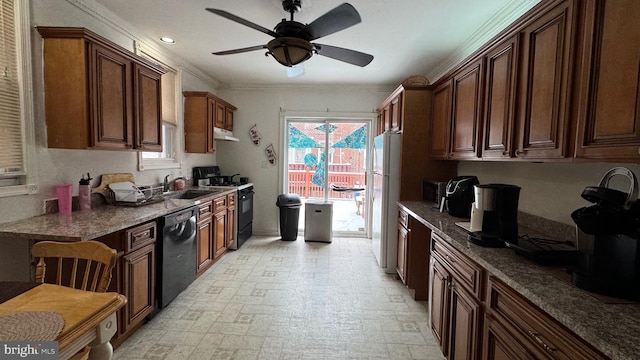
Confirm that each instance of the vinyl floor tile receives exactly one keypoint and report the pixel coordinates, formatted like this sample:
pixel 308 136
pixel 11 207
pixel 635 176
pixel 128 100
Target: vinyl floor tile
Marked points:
pixel 280 300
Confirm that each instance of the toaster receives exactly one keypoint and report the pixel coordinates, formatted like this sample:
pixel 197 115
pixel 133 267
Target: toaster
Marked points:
pixel 459 195
pixel 434 191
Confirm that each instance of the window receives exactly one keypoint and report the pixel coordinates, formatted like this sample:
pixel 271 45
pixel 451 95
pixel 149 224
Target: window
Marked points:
pixel 169 157
pixel 17 167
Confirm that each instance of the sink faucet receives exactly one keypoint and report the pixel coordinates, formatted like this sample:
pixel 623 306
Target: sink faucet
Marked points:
pixel 165 184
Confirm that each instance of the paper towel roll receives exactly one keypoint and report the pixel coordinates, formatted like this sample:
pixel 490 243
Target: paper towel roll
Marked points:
pixel 476 218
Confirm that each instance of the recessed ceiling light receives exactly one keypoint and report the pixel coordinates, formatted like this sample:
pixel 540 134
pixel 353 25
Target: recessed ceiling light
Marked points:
pixel 167 40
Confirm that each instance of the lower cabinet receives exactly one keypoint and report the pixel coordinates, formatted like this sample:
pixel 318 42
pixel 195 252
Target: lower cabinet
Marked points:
pixel 455 307
pixel 216 230
pixel 133 276
pixel 516 329
pixel 204 248
pixel 413 255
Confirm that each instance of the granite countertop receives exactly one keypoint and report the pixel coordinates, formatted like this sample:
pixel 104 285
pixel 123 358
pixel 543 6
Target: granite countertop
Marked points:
pixel 610 325
pixel 99 221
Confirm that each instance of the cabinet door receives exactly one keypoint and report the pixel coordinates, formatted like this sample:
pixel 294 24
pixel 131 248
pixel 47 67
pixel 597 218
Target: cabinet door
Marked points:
pixel 139 275
pixel 111 94
pixel 465 117
pixel 439 310
pixel 220 115
pixel 211 122
pixel 441 121
pixel 228 120
pixel 544 90
pixel 396 114
pixel 609 114
pixel 402 252
pixel 148 109
pixel 386 118
pixel 500 100
pixel 204 248
pixel 464 324
pixel 231 226
pixel 500 344
pixel 219 232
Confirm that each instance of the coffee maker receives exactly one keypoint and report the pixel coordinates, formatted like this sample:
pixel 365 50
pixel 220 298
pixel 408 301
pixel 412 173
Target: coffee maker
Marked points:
pixel 494 215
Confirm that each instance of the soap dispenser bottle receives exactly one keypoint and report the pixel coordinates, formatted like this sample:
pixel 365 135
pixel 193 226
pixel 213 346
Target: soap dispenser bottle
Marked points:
pixel 84 193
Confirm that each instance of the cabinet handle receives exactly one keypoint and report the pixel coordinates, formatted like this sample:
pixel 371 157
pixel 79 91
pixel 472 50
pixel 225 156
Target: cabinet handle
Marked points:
pixel 505 153
pixel 540 341
pixel 451 285
pixel 450 259
pixel 519 153
pixel 129 146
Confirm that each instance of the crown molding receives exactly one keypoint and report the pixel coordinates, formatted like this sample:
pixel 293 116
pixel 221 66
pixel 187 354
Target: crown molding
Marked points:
pixel 309 87
pixel 506 16
pixel 108 18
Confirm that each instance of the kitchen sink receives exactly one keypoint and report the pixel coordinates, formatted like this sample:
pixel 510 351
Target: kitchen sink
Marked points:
pixel 187 194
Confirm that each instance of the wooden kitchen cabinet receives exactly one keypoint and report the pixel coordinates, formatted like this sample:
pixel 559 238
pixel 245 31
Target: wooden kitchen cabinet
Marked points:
pixel 203 112
pixel 413 255
pixel 609 82
pixel 390 114
pixel 231 231
pixel 521 330
pixel 467 95
pixel 133 275
pixel 498 123
pixel 411 105
pixel 204 236
pixel 456 309
pixel 441 121
pixel 98 95
pixel 219 221
pixel 544 84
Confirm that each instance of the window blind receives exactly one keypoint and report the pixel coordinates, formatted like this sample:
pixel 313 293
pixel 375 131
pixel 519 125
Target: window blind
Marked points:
pixel 11 147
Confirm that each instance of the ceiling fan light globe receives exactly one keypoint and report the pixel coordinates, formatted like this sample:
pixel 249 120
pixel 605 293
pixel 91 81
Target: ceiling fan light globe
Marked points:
pixel 290 51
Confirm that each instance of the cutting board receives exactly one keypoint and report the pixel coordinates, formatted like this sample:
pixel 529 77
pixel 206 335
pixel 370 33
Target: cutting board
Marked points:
pixel 107 179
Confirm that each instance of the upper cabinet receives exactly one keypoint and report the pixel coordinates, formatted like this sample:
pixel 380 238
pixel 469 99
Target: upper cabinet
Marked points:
pixel 99 95
pixel 203 112
pixel 500 100
pixel 608 114
pixel 390 114
pixel 440 121
pixel 465 117
pixel 543 116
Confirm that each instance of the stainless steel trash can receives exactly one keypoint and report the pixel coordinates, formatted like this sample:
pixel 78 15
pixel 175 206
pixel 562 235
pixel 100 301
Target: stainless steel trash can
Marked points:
pixel 318 216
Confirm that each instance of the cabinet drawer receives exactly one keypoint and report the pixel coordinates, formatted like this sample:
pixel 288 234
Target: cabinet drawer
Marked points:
pixel 231 200
pixel 465 271
pixel 543 333
pixel 219 204
pixel 140 236
pixel 205 208
pixel 403 218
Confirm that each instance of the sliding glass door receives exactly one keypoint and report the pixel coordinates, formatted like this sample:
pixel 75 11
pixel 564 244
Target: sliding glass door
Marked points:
pixel 327 160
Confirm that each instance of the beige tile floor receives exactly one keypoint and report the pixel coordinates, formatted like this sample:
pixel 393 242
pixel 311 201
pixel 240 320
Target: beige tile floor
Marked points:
pixel 290 300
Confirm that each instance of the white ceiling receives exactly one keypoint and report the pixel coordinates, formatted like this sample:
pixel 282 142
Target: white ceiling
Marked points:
pixel 406 37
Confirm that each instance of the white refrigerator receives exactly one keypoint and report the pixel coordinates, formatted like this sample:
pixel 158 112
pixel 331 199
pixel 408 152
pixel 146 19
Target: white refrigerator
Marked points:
pixel 385 195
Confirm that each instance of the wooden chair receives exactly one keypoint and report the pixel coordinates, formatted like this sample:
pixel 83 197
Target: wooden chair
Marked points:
pixel 84 265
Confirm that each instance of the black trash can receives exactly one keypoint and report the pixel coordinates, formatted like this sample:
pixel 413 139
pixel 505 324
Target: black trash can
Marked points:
pixel 289 205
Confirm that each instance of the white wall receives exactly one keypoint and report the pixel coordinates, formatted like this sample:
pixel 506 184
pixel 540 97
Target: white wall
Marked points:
pixel 262 107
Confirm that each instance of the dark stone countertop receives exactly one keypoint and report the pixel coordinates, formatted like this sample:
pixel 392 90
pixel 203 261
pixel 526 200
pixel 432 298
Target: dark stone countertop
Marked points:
pixel 610 325
pixel 99 221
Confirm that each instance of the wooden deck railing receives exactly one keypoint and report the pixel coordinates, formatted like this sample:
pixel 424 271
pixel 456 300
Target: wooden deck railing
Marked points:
pixel 300 183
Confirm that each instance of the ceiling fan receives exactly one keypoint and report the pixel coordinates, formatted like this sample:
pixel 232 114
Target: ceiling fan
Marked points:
pixel 292 43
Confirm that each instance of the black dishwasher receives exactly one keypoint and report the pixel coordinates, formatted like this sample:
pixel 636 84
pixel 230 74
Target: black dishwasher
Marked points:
pixel 176 254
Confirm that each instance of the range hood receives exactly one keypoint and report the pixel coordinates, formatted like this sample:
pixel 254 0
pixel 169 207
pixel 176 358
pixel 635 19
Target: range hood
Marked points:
pixel 225 135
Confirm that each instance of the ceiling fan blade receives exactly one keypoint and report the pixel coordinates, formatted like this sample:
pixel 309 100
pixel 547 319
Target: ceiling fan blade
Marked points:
pixel 349 56
pixel 241 50
pixel 340 18
pixel 242 21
